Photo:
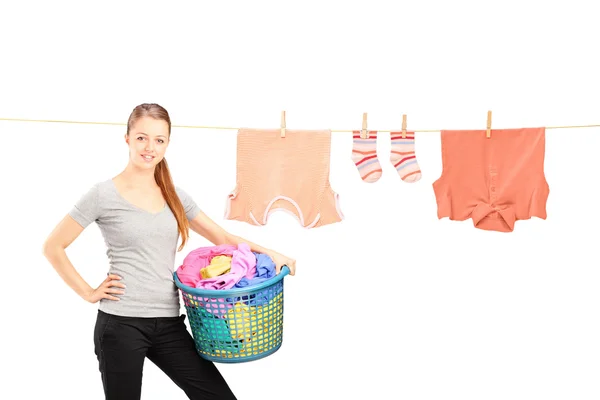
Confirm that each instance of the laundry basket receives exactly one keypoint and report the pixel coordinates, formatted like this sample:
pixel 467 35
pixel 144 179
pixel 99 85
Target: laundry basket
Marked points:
pixel 236 325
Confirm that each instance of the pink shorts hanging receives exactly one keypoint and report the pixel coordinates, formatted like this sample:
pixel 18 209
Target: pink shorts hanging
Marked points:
pixel 290 174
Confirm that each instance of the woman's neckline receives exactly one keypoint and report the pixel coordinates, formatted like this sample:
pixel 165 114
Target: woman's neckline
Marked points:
pixel 114 186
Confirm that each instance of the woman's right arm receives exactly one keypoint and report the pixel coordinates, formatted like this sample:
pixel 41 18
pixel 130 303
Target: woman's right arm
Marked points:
pixel 54 247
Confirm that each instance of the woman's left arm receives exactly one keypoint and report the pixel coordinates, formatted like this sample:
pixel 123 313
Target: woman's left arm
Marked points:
pixel 206 227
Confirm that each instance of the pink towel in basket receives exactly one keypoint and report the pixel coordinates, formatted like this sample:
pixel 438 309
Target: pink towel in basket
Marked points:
pixel 243 264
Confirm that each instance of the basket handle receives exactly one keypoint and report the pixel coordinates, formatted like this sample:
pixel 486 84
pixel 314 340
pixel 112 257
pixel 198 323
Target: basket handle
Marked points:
pixel 284 270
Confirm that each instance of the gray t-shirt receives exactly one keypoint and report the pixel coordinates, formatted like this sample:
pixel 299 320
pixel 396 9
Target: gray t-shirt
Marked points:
pixel 141 248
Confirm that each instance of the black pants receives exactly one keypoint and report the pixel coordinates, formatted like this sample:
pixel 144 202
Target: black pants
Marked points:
pixel 122 344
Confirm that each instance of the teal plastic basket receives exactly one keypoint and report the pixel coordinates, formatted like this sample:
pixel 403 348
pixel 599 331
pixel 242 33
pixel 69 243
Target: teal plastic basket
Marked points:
pixel 236 325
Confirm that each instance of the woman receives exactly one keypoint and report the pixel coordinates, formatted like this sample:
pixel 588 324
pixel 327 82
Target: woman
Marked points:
pixel 142 215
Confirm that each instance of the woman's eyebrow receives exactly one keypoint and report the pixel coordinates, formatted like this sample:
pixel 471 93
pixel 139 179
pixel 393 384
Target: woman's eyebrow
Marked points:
pixel 142 133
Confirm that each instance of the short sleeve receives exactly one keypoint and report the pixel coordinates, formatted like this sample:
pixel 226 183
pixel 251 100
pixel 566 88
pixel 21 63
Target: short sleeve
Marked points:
pixel 87 209
pixel 189 205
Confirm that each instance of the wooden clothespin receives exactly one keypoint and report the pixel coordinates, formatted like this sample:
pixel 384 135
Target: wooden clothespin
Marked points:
pixel 364 134
pixel 489 124
pixel 283 124
pixel 404 126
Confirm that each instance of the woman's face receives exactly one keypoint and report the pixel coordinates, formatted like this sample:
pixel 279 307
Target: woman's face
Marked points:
pixel 147 140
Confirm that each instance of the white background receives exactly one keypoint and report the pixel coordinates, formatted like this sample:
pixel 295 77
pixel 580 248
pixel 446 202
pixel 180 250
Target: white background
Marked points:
pixel 392 303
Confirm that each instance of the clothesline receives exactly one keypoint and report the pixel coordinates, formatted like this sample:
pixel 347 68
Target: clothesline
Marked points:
pixel 236 128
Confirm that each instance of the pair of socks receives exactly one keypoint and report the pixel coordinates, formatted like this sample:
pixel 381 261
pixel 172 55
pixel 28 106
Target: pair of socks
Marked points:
pixel 402 156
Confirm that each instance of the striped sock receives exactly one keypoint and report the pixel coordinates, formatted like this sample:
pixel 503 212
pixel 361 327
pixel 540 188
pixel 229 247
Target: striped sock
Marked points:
pixel 403 156
pixel 364 156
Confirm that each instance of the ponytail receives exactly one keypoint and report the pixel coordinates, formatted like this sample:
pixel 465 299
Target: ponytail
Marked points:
pixel 164 181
